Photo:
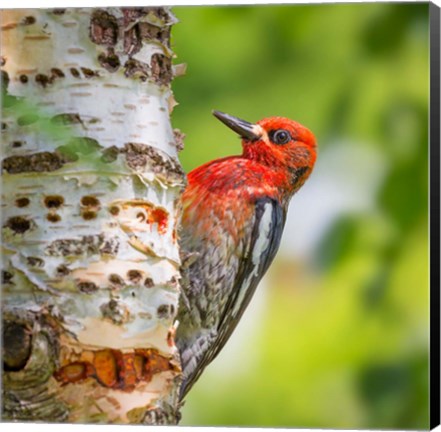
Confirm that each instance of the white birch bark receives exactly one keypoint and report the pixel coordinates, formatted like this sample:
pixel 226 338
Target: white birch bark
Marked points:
pixel 90 210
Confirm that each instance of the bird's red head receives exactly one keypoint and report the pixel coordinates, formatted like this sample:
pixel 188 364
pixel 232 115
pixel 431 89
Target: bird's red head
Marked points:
pixel 279 143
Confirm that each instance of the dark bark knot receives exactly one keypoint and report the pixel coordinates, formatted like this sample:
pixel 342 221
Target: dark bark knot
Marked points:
pixel 7 277
pixel 87 287
pixel 137 69
pixel 161 69
pixel 35 261
pixel 19 224
pixel 149 283
pixel 42 80
pixel 90 201
pixel 22 202
pixel 57 73
pixel 84 245
pixel 29 20
pixel 134 276
pixel 103 28
pixel 89 73
pixel 109 61
pixel 37 162
pixel 115 311
pixel 53 201
pixel 17 343
pixel 179 139
pixel 146 158
pixel 74 72
pixel 165 311
pixel 62 270
pixel 116 280
pixel 90 205
pixel 144 24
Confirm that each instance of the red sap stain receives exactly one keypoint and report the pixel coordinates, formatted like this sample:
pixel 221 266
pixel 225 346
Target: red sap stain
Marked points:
pixel 128 374
pixel 106 367
pixel 160 217
pixel 115 369
pixel 74 372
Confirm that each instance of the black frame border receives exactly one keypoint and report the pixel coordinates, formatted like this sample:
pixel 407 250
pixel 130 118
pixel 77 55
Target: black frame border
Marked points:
pixel 434 151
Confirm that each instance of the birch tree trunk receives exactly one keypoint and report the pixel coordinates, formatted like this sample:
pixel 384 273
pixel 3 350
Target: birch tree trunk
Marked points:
pixel 90 207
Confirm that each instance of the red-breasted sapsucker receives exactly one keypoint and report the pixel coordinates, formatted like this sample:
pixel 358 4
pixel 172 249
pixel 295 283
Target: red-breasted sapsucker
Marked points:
pixel 234 211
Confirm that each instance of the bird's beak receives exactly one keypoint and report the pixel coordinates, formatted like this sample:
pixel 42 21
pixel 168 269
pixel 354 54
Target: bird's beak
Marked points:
pixel 245 129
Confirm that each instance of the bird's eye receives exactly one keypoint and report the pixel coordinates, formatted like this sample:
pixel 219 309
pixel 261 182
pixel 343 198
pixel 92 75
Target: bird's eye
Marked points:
pixel 280 136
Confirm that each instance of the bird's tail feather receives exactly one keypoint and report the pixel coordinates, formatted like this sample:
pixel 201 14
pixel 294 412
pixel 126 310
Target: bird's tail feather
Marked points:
pixel 194 356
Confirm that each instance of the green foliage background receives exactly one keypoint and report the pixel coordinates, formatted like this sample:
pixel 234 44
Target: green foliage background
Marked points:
pixel 339 336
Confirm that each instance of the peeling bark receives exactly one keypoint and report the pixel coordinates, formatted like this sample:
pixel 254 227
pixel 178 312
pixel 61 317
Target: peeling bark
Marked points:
pixel 91 183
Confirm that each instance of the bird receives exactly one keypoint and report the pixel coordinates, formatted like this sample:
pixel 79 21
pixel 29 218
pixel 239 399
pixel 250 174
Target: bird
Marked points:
pixel 233 213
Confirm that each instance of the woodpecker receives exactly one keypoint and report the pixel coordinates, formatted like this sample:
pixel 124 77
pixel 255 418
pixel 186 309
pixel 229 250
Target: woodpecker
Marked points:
pixel 234 211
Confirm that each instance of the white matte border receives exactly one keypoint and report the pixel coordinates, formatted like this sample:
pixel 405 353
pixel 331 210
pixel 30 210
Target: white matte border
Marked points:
pixel 41 427
pixel 103 3
pixel 44 427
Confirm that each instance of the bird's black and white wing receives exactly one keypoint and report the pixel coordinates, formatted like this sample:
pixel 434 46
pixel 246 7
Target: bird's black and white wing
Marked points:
pixel 258 251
